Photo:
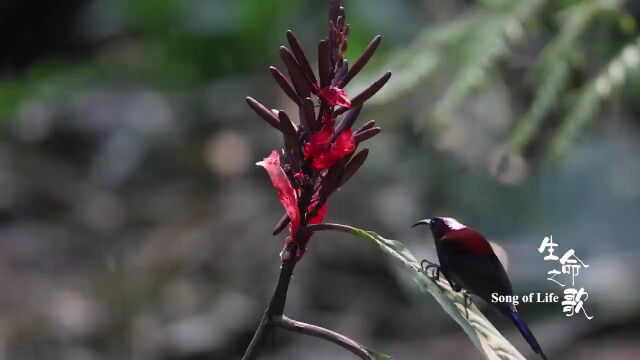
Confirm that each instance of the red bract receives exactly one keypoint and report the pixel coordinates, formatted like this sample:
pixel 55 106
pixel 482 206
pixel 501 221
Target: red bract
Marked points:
pixel 334 96
pixel 324 154
pixel 317 219
pixel 286 193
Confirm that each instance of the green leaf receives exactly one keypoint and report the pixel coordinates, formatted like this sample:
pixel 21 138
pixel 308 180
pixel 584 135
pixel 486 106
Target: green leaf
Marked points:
pixel 482 333
pixel 377 356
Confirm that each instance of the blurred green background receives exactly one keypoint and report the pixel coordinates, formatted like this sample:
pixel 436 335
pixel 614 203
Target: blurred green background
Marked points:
pixel 134 225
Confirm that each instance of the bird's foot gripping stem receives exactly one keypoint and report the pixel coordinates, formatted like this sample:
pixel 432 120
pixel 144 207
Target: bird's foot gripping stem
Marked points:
pixel 426 265
pixel 467 303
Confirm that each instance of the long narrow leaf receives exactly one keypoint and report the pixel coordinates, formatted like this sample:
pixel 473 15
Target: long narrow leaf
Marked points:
pixel 482 333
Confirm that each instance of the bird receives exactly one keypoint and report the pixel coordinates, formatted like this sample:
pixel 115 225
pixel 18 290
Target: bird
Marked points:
pixel 468 262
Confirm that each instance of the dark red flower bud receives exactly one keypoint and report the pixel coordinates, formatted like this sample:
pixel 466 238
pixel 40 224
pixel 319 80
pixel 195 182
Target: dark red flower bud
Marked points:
pixel 324 63
pixel 299 80
pixel 363 59
pixel 366 134
pixel 285 85
pixel 308 117
pixel 290 134
pixel 335 10
pixel 353 166
pixel 342 71
pixel 322 112
pixel 368 125
pixel 347 121
pixel 301 58
pixel 368 92
pixel 281 225
pixel 263 112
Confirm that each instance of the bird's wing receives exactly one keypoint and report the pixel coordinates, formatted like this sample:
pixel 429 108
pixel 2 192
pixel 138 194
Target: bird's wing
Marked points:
pixel 481 274
pixel 502 274
pixel 468 240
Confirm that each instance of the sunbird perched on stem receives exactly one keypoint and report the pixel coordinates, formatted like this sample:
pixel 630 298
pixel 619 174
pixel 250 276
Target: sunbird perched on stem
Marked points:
pixel 468 262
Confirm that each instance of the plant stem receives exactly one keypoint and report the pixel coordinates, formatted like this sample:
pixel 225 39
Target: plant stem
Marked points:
pixel 250 353
pixel 322 333
pixel 276 304
pixel 331 226
pixel 274 317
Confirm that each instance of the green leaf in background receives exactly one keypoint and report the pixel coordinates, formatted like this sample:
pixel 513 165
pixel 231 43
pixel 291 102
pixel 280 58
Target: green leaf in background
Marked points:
pixel 482 333
pixel 590 98
pixel 473 46
pixel 552 70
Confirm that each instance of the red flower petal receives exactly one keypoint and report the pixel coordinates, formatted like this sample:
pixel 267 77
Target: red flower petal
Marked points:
pixel 344 144
pixel 325 155
pixel 334 96
pixel 319 216
pixel 318 142
pixel 286 193
pixel 317 219
pixel 324 161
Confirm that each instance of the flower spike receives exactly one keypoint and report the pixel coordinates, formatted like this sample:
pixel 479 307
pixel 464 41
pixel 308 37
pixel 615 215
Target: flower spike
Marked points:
pixel 318 154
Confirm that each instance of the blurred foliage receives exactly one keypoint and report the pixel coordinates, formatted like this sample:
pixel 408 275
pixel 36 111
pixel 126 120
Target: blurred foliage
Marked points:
pixel 185 44
pixel 179 45
pixel 493 37
pixel 171 44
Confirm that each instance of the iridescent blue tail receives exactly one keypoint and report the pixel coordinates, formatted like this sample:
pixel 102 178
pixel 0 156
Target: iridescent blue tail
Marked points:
pixel 524 330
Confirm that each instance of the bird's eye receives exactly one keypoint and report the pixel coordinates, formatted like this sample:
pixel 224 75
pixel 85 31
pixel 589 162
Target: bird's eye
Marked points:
pixel 439 224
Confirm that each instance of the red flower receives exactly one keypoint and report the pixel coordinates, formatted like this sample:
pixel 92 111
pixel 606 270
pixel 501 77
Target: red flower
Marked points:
pixel 334 96
pixel 289 200
pixel 287 195
pixel 325 154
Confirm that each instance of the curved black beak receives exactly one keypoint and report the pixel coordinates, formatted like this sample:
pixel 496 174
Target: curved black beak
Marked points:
pixel 422 222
